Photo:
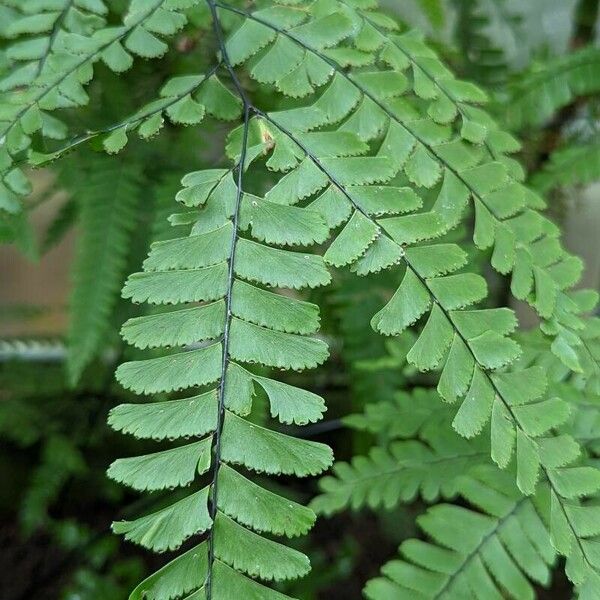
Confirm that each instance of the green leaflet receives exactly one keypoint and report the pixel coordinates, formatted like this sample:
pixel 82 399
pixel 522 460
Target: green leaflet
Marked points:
pixel 274 310
pixel 300 183
pixel 384 200
pixel 353 241
pixel 259 509
pixel 254 344
pixel 231 584
pixel 279 268
pixel 290 404
pixel 432 343
pixel 173 372
pixel 381 254
pixel 172 287
pixel 190 252
pixel 180 576
pixel 168 528
pixel 195 416
pixel 408 304
pixel 255 555
pixel 176 328
pixel 166 469
pixel 280 224
pixel 458 291
pixel 433 261
pixel 267 451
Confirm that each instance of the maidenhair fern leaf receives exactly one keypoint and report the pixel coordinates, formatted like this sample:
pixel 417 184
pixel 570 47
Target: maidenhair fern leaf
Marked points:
pixel 61 43
pixel 421 456
pixel 426 153
pixel 237 323
pixel 539 94
pixel 572 165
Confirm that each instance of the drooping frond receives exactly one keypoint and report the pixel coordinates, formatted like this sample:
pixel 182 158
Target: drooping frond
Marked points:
pixel 221 273
pixel 380 144
pixel 537 96
pixel 184 100
pixel 467 344
pixel 487 35
pixel 451 140
pixel 498 549
pixel 41 30
pixel 107 193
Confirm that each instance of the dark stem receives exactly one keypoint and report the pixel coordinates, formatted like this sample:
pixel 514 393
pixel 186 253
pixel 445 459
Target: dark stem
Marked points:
pixel 216 441
pixel 368 95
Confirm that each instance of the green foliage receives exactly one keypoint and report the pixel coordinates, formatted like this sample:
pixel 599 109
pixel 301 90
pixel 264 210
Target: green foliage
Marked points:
pixel 211 264
pixel 573 165
pixel 353 147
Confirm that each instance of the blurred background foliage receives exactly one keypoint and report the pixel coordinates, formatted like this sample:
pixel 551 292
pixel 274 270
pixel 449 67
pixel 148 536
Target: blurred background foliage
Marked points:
pixel 60 309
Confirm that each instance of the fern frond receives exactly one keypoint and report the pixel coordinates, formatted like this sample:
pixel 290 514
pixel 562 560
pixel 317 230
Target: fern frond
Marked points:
pixel 404 417
pixel 577 164
pixel 184 100
pixel 107 193
pixel 495 550
pixel 487 36
pixel 238 323
pixel 537 95
pixel 65 71
pixel 424 147
pixel 384 146
pixel 468 345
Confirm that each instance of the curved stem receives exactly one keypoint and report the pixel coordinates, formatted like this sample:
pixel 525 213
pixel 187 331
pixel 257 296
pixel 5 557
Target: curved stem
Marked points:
pixel 373 99
pixel 249 107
